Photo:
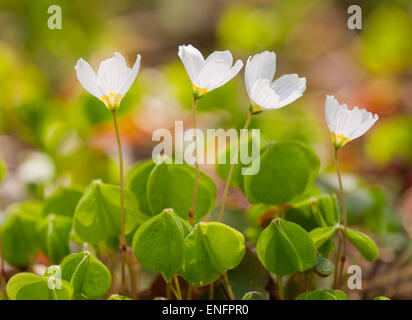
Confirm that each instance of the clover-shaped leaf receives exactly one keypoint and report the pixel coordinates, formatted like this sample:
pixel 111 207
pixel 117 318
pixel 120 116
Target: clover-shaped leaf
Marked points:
pixel 285 248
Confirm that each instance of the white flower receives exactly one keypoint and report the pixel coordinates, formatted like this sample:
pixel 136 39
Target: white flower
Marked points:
pixel 265 94
pixel 344 124
pixel 112 81
pixel 208 74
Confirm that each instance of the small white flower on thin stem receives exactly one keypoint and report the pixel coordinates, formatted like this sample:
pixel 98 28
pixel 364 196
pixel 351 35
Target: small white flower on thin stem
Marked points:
pixel 112 81
pixel 344 124
pixel 208 74
pixel 265 94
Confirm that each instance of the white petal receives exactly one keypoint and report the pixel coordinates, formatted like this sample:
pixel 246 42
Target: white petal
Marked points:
pixel 289 88
pixel 112 74
pixel 224 56
pixel 330 112
pixel 217 72
pixel 193 61
pixel 87 78
pixel 212 74
pixel 365 126
pixel 333 112
pixel 132 74
pixel 260 66
pixel 263 95
pixel 351 124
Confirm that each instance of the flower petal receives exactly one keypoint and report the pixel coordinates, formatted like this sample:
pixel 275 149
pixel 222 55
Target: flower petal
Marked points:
pixel 217 72
pixel 289 88
pixel 342 121
pixel 87 78
pixel 112 74
pixel 263 95
pixel 260 66
pixel 132 74
pixel 224 56
pixel 193 61
pixel 367 122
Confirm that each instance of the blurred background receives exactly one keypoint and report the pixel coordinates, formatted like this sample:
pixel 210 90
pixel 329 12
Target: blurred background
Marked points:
pixel 53 133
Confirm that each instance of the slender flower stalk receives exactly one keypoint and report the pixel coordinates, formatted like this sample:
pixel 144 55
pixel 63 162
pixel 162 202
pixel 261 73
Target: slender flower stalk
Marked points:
pixel 345 125
pixel 133 279
pixel 110 84
pixel 178 291
pixel 123 243
pixel 264 94
pixel 280 287
pixel 189 291
pixel 211 291
pixel 337 260
pixel 193 207
pixel 232 166
pixel 228 286
pixel 345 218
pixel 205 75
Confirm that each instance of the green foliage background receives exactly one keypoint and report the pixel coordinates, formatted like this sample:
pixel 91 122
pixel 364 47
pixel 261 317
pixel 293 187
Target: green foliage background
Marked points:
pixel 46 116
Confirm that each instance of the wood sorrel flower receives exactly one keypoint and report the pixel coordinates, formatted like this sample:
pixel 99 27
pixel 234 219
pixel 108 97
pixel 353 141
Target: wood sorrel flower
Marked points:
pixel 344 124
pixel 208 74
pixel 265 94
pixel 112 81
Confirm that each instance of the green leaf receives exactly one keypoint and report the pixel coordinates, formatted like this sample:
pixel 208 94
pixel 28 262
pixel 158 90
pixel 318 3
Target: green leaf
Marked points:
pixel 29 286
pixel 287 169
pixel 321 235
pixel 137 183
pixel 323 294
pixel 224 160
pixel 249 275
pixel 158 243
pixel 172 185
pixel 97 216
pixel 329 207
pixel 363 243
pixel 19 233
pixel 285 248
pixel 54 232
pixel 381 298
pixel 211 249
pixel 88 276
pixel 63 201
pixel 324 267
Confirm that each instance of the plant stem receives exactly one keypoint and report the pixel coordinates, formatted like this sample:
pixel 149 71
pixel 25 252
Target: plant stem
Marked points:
pixel 232 166
pixel 211 291
pixel 174 291
pixel 168 295
pixel 280 288
pixel 189 291
pixel 193 207
pixel 337 260
pixel 123 243
pixel 229 288
pixel 178 291
pixel 130 265
pixel 345 216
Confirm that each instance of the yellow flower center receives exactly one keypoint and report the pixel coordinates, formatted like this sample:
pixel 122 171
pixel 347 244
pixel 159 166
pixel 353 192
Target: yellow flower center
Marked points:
pixel 254 108
pixel 112 100
pixel 198 92
pixel 339 140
